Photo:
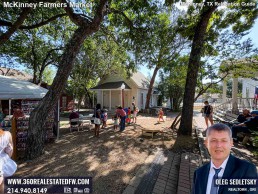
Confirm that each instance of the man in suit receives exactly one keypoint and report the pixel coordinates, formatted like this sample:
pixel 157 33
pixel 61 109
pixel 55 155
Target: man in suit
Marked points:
pixel 223 164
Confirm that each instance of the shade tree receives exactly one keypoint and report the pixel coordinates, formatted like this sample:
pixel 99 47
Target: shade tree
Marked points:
pixel 198 30
pixel 99 57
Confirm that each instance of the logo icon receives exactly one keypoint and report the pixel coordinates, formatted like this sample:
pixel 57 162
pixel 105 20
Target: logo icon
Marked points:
pixel 67 190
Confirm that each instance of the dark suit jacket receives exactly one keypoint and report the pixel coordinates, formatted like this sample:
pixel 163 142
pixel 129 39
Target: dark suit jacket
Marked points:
pixel 235 168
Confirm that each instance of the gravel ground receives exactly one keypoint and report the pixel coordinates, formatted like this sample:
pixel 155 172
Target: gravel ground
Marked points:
pixel 112 159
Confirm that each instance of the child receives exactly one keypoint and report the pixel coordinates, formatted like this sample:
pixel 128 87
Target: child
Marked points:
pixel 104 117
pixel 128 120
pixel 160 115
pixel 115 122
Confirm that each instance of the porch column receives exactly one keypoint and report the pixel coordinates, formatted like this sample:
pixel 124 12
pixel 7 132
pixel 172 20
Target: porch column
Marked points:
pixel 234 96
pixel 109 99
pixel 224 94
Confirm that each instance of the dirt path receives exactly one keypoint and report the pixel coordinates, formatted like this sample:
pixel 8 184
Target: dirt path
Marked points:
pixel 112 160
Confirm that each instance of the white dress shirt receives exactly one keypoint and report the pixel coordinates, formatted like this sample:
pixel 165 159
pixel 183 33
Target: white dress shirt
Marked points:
pixel 212 173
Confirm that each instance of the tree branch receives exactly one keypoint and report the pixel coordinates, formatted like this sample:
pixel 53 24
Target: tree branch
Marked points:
pixel 107 32
pixel 5 36
pixel 48 55
pixel 5 23
pixel 205 89
pixel 101 11
pixel 128 21
pixel 75 18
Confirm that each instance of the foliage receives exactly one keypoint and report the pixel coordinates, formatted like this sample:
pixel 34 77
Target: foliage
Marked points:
pixel 48 75
pixel 173 81
pixel 161 44
pixel 38 48
pixel 99 57
pixel 132 23
pixel 203 25
pixel 255 141
pixel 229 88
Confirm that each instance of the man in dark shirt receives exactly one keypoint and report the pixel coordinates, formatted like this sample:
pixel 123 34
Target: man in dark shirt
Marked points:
pixel 244 116
pixel 73 115
pixel 247 127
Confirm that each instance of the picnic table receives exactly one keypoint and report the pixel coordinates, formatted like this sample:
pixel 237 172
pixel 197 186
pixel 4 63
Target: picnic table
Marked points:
pixel 81 122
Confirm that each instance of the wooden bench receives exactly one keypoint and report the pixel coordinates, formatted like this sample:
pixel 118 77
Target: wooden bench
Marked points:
pixel 151 132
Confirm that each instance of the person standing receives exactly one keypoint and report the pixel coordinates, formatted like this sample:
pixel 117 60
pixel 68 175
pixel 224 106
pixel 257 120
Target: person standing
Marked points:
pixel 129 116
pixel 104 117
pixel 18 113
pixel 160 115
pixel 6 151
pixel 208 111
pixel 97 120
pixel 115 121
pixel 222 164
pixel 122 114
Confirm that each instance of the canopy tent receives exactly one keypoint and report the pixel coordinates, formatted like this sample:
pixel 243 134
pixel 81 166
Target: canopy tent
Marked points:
pixel 11 88
pixel 14 89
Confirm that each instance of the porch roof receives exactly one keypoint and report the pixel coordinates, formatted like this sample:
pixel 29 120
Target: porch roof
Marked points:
pixel 111 86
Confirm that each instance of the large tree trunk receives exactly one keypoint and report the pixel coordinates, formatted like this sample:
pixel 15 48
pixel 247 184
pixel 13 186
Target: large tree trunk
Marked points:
pixel 176 104
pixel 89 98
pixel 185 127
pixel 39 114
pixel 171 100
pixel 147 104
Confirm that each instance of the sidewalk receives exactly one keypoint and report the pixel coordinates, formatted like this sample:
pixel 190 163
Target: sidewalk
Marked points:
pixel 174 173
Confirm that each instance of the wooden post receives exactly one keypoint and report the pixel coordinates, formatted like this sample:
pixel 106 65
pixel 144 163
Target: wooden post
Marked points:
pixel 13 132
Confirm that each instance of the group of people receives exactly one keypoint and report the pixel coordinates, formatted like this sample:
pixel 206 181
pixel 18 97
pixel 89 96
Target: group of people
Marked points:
pixel 122 115
pixel 248 122
pixel 17 113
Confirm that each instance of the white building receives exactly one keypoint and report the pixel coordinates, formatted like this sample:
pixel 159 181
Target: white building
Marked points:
pixel 116 90
pixel 250 87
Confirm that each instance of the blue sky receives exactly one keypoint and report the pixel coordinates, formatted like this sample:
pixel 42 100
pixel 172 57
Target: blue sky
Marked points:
pixel 253 35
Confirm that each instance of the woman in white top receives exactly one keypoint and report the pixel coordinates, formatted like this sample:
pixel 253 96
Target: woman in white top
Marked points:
pixel 6 150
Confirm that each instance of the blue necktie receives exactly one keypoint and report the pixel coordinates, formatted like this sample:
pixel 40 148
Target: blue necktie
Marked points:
pixel 214 188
